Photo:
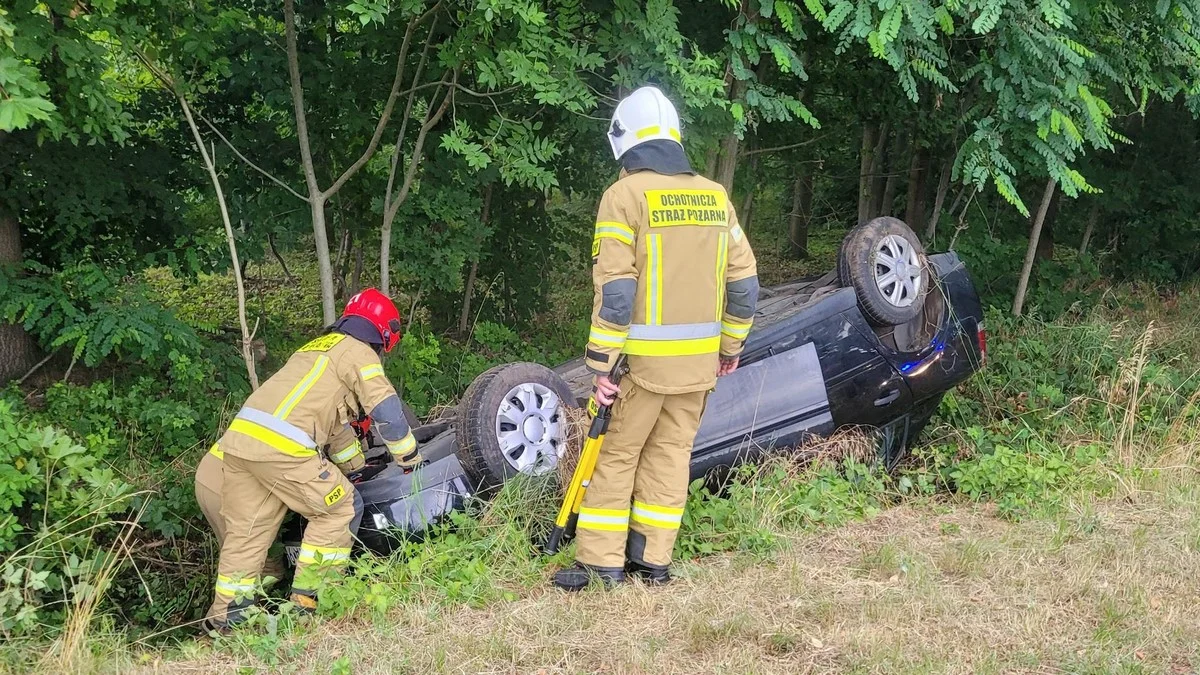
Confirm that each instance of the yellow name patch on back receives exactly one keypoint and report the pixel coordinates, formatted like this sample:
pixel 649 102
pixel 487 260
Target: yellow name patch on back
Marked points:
pixel 323 343
pixel 335 495
pixel 671 208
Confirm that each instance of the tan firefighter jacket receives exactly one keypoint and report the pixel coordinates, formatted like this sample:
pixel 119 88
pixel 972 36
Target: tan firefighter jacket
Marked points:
pixel 675 281
pixel 310 402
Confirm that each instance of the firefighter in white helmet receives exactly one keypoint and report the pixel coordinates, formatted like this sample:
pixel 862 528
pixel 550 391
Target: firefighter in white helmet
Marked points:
pixel 675 290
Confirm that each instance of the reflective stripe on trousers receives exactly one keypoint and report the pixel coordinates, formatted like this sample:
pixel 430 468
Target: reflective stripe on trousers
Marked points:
pixel 232 588
pixel 310 554
pixel 666 517
pixel 611 520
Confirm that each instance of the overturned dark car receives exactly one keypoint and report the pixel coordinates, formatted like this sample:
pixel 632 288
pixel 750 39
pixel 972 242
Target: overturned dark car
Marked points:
pixel 875 343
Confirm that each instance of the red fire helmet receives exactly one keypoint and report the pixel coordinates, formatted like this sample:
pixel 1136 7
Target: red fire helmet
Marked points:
pixel 380 311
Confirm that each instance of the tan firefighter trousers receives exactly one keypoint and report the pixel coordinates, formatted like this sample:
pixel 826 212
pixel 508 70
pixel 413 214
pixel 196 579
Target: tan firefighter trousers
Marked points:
pixel 210 481
pixel 256 495
pixel 634 504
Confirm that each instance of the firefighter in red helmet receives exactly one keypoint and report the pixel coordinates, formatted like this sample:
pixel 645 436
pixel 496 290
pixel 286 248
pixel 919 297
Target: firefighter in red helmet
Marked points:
pixel 272 460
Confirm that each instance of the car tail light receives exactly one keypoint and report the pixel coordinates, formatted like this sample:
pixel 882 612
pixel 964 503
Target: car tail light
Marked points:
pixel 981 336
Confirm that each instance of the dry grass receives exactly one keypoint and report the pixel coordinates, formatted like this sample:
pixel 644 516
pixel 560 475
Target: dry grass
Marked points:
pixel 1101 588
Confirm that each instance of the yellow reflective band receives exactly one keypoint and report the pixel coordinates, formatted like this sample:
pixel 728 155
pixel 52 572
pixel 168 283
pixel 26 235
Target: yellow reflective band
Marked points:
pixel 310 554
pixel 654 509
pixel 297 393
pixel 265 435
pixel 672 208
pixel 217 452
pixel 614 230
pixel 667 517
pixel 346 454
pixel 228 587
pixel 646 132
pixel 607 338
pixel 654 279
pixel 707 345
pixel 737 331
pixel 404 445
pixel 722 260
pixel 371 372
pixel 610 520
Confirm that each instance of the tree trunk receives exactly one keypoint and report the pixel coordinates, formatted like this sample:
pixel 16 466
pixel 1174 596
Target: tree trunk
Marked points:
pixel 710 162
pixel 18 352
pixel 727 162
pixel 316 199
pixel 1030 254
pixel 469 291
pixel 1045 250
pixel 746 213
pixel 801 216
pixel 878 165
pixel 939 200
pixel 1093 217
pixel 891 180
pixel 356 276
pixel 210 165
pixel 865 180
pixel 914 201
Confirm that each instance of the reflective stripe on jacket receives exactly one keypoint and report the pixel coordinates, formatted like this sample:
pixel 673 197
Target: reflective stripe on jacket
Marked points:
pixel 302 407
pixel 675 281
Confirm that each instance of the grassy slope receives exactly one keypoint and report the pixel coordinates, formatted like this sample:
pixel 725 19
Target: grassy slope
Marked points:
pixel 1105 587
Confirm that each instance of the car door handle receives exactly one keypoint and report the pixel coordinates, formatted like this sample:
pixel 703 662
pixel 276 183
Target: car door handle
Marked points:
pixel 888 398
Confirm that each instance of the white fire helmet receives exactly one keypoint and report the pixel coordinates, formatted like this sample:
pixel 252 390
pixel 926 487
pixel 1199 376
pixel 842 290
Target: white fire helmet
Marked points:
pixel 645 115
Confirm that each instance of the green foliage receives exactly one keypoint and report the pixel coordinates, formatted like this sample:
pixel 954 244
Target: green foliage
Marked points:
pixel 83 309
pixel 61 503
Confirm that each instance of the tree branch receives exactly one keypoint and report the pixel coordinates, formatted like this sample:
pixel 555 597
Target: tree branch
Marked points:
pixel 412 93
pixel 781 148
pixel 293 63
pixel 246 160
pixel 387 107
pixel 431 120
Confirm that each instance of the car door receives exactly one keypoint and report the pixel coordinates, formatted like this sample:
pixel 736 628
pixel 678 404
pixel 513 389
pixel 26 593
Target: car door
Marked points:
pixel 865 388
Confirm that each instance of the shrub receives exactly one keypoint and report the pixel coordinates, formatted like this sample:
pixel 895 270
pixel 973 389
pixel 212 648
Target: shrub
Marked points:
pixel 61 503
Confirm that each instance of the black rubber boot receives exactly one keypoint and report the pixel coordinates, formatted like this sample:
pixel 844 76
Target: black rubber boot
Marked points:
pixel 650 574
pixel 213 626
pixel 578 577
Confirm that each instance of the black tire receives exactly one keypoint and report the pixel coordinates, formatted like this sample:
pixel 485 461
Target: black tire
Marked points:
pixel 479 448
pixel 857 265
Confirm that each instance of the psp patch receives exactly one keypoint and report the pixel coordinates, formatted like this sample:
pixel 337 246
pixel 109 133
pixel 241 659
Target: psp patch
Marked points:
pixel 673 208
pixel 335 495
pixel 323 343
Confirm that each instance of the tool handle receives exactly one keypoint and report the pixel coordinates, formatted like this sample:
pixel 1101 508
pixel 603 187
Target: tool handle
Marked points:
pixel 558 536
pixel 603 413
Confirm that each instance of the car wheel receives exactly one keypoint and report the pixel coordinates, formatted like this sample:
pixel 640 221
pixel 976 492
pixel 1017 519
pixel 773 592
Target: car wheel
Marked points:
pixel 884 262
pixel 512 420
